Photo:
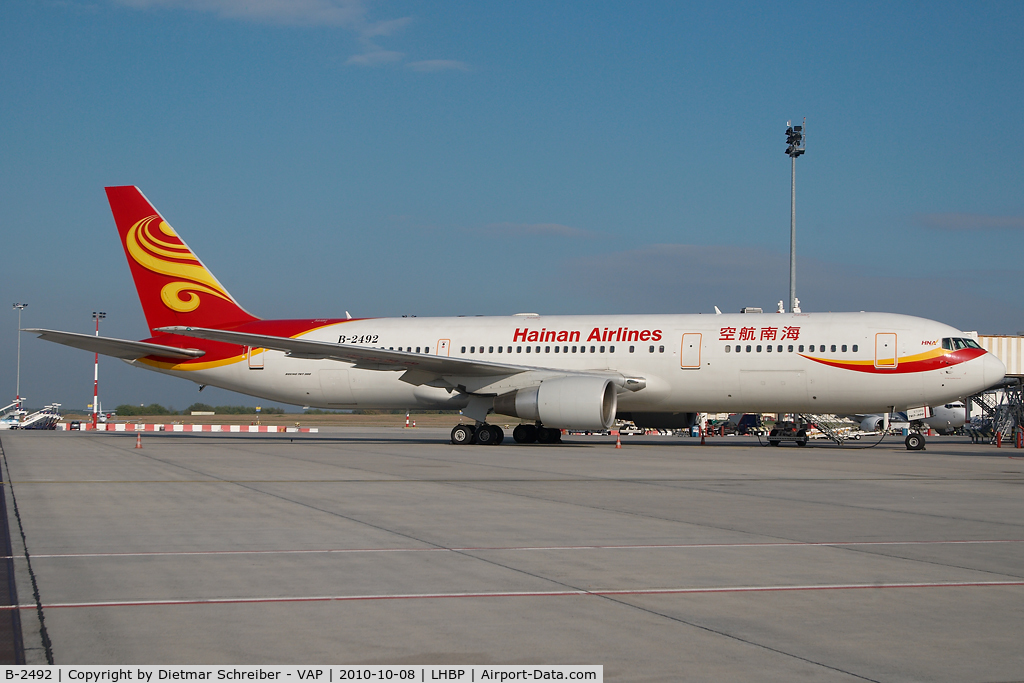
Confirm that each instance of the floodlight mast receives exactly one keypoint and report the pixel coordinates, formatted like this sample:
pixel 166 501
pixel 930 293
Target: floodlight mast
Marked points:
pixel 97 316
pixel 796 140
pixel 17 389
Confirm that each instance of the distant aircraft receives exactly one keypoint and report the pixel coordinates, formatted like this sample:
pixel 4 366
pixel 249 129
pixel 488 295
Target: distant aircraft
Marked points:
pixel 553 372
pixel 944 419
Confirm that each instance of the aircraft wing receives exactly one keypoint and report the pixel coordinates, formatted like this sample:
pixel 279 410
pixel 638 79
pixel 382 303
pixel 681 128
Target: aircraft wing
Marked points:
pixel 365 357
pixel 118 348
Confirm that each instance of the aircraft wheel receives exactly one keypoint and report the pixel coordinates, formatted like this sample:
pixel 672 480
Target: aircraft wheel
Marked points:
pixel 915 442
pixel 487 435
pixel 525 434
pixel 801 437
pixel 462 435
pixel 548 435
pixel 500 432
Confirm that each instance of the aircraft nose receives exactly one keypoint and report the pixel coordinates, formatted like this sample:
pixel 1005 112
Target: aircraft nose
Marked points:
pixel 992 369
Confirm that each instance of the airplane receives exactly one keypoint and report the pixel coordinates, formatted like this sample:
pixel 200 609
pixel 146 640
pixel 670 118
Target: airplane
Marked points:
pixel 553 372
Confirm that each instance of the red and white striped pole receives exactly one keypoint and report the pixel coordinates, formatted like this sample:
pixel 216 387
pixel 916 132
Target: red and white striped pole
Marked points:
pixel 97 316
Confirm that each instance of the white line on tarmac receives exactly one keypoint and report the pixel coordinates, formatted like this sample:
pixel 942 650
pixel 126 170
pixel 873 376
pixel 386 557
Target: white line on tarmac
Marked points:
pixel 522 594
pixel 327 551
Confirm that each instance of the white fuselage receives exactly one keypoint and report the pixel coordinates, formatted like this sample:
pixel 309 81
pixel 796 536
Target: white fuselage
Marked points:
pixel 688 362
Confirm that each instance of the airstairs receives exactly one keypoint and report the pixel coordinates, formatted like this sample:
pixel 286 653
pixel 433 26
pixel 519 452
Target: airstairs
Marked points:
pixel 45 418
pixel 1004 409
pixel 829 425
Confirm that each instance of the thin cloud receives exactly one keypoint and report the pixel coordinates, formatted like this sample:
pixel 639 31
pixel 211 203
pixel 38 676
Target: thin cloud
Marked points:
pixel 375 58
pixel 351 15
pixel 346 13
pixel 535 230
pixel 432 65
pixel 969 221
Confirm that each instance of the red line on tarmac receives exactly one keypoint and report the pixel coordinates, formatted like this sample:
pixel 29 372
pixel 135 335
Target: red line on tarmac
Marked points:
pixel 680 546
pixel 522 594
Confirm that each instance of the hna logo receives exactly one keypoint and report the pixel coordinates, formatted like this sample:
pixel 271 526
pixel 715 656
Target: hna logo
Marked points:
pixel 928 342
pixel 156 247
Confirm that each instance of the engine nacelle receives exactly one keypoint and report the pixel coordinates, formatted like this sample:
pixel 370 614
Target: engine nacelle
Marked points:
pixel 872 423
pixel 564 403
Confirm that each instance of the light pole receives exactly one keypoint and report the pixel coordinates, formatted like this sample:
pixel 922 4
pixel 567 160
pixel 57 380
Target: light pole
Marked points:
pixel 97 316
pixel 17 390
pixel 796 141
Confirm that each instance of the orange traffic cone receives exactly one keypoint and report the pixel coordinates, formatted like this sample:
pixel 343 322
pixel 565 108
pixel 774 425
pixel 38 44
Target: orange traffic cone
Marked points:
pixel 618 441
pixel 138 440
pixel 702 437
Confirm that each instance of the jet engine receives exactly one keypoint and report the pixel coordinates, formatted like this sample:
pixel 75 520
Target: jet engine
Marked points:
pixel 564 403
pixel 872 423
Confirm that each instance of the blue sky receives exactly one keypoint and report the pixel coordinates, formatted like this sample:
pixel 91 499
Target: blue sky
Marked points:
pixel 393 158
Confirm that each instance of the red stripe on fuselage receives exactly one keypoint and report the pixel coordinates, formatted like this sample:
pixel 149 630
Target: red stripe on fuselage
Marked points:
pixel 942 362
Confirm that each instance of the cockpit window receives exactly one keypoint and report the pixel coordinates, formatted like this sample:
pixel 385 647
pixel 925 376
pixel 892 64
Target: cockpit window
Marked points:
pixel 947 343
pixel 971 344
pixel 959 343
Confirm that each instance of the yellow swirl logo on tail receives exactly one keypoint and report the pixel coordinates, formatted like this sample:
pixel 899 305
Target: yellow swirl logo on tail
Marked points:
pixel 149 243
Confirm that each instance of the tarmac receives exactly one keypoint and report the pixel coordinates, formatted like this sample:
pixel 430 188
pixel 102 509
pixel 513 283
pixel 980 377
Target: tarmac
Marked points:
pixel 662 561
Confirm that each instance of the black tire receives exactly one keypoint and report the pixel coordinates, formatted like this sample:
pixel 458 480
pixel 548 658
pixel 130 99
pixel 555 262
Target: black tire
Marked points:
pixel 915 442
pixel 486 435
pixel 548 435
pixel 525 434
pixel 801 437
pixel 501 434
pixel 463 435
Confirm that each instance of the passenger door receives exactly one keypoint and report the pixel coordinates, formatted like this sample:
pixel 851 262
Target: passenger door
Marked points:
pixel 689 351
pixel 885 350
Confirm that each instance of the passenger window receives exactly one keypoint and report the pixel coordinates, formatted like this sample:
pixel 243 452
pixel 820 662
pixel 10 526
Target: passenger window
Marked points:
pixel 748 348
pixel 602 349
pixel 574 349
pixel 417 349
pixel 537 349
pixel 611 349
pixel 490 349
pixel 833 348
pixel 527 349
pixel 769 349
pixel 547 349
pixel 652 349
pixel 463 349
pixel 800 348
pixel 661 349
pixel 556 349
pixel 844 348
pixel 519 349
pixel 592 349
pixel 855 348
pixel 728 348
pixel 632 348
pixel 500 348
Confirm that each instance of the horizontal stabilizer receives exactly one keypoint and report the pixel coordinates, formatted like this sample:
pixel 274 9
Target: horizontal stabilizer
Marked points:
pixel 118 348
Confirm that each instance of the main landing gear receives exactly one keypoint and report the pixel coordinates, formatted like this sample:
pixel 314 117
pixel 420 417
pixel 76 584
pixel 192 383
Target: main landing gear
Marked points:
pixel 491 435
pixel 536 434
pixel 483 434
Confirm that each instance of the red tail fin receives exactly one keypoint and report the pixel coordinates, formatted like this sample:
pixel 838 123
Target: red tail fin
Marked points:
pixel 174 286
